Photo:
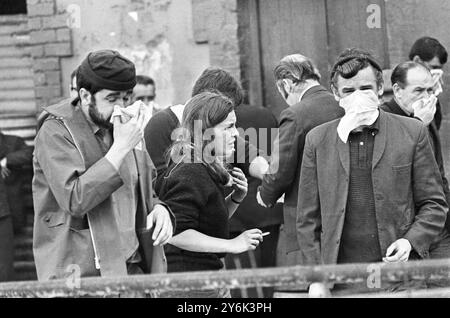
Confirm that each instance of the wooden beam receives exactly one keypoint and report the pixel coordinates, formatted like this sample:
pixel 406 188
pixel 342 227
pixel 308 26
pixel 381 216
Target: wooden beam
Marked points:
pixel 136 286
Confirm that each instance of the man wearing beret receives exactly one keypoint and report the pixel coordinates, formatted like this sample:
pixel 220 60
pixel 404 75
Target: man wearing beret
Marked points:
pixel 370 189
pixel 91 182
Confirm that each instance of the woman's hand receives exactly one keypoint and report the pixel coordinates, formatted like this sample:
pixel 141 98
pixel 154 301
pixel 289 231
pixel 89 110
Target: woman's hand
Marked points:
pixel 240 184
pixel 248 240
pixel 159 218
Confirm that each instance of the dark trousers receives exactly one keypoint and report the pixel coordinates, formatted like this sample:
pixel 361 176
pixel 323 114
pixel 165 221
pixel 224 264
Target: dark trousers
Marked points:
pixel 6 249
pixel 264 256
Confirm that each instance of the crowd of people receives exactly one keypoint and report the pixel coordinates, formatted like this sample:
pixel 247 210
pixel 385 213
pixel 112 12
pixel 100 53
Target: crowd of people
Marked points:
pixel 123 186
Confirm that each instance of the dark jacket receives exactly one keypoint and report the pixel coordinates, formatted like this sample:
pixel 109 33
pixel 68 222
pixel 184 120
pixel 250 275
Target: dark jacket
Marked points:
pixel 250 214
pixel 18 156
pixel 74 181
pixel 407 186
pixel 393 107
pixel 317 106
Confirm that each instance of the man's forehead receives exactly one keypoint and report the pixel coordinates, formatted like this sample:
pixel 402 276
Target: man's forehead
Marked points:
pixel 364 77
pixel 107 92
pixel 419 76
pixel 140 89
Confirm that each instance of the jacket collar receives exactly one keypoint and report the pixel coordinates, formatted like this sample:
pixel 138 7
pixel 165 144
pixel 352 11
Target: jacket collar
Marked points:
pixel 394 108
pixel 313 90
pixel 378 150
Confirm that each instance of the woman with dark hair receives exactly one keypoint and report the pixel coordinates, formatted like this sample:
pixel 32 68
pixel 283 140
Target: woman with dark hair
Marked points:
pixel 194 185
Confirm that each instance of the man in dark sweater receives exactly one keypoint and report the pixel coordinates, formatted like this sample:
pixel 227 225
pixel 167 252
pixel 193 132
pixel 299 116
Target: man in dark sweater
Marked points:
pixel 412 85
pixel 370 189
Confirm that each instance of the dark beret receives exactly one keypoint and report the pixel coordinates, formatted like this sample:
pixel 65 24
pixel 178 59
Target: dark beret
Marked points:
pixel 108 69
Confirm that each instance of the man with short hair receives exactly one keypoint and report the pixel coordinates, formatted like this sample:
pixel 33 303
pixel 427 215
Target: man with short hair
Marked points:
pixel 92 188
pixel 433 54
pixel 145 91
pixel 370 189
pixel 412 85
pixel 310 105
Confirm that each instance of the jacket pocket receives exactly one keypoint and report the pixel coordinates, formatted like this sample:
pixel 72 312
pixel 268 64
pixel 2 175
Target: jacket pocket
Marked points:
pixel 401 183
pixel 54 219
pixel 402 168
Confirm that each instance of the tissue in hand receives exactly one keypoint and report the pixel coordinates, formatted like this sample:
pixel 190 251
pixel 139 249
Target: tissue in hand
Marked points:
pixel 132 111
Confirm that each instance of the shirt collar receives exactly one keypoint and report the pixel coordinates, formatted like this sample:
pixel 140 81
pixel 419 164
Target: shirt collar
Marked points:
pixel 402 110
pixel 375 127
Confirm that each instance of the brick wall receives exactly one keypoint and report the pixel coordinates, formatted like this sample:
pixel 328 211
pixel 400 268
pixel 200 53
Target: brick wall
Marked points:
pixel 51 40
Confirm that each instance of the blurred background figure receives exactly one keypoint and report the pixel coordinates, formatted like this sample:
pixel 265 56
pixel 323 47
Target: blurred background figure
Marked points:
pixel 73 85
pixel 15 155
pixel 145 91
pixel 6 237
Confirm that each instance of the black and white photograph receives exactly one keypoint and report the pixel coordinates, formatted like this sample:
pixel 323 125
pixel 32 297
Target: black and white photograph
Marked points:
pixel 248 151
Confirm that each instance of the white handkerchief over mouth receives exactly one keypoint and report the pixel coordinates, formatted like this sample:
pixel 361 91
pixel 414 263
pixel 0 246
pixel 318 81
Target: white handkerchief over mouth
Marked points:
pixel 361 109
pixel 126 113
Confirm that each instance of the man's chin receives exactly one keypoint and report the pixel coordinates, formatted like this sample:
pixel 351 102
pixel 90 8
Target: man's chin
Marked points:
pixel 105 124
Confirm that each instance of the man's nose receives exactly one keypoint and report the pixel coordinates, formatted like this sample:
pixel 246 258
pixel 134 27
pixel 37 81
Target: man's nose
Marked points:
pixel 121 103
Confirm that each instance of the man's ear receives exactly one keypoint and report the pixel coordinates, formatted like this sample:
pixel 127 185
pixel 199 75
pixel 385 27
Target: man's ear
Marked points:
pixel 417 59
pixel 287 84
pixel 335 93
pixel 381 90
pixel 396 89
pixel 85 96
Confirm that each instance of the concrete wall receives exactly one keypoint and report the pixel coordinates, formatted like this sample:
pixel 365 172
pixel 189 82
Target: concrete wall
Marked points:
pixel 155 34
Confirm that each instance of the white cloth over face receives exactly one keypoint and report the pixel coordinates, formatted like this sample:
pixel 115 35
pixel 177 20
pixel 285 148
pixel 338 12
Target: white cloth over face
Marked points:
pixel 438 82
pixel 361 109
pixel 132 111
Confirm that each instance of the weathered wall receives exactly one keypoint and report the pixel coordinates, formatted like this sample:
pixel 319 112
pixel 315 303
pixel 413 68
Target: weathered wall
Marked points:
pixel 156 34
pixel 50 41
pixel 216 22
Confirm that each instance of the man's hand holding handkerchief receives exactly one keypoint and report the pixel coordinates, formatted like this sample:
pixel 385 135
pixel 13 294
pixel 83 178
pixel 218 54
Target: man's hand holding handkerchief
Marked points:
pixel 132 111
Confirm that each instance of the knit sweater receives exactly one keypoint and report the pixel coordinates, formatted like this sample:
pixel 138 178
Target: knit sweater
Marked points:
pixel 359 241
pixel 198 203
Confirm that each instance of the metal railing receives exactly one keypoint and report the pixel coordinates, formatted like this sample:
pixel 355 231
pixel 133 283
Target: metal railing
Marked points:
pixel 297 276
